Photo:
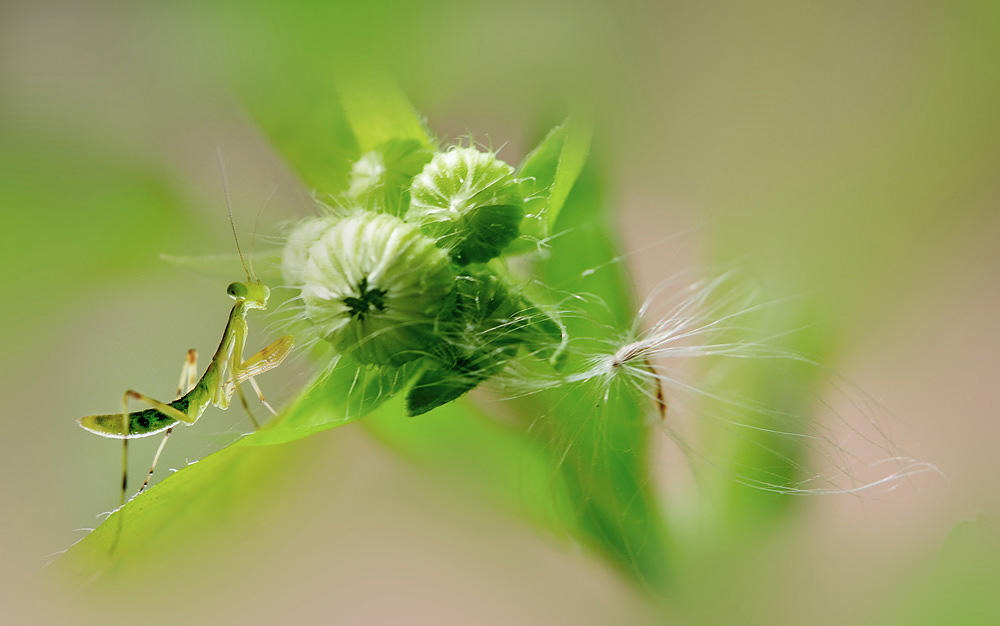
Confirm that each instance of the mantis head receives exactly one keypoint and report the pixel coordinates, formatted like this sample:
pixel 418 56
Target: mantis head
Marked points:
pixel 255 294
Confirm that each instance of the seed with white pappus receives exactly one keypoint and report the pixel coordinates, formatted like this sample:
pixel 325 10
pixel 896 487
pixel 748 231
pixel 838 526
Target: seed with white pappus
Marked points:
pixel 375 287
pixel 469 202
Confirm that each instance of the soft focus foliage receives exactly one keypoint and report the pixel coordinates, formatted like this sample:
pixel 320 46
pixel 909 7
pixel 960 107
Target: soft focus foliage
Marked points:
pixel 842 154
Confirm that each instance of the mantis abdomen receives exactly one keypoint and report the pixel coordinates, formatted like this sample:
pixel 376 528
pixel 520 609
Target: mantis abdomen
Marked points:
pixel 147 421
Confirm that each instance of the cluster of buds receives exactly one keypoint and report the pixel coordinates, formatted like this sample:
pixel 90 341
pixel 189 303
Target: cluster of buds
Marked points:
pixel 400 274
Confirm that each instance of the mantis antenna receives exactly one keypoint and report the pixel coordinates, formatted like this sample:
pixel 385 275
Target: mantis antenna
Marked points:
pixel 229 208
pixel 256 223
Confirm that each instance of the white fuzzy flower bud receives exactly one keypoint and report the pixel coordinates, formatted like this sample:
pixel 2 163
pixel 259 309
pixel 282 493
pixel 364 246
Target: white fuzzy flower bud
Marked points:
pixel 375 287
pixel 469 202
pixel 300 239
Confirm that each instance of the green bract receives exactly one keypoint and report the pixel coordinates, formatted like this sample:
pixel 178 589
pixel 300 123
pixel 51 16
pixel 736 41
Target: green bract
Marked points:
pixel 483 332
pixel 380 179
pixel 469 202
pixel 375 286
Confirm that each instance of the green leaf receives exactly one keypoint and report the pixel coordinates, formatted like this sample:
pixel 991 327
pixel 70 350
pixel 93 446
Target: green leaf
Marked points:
pixel 549 173
pixel 304 119
pixel 378 112
pixel 464 445
pixel 322 123
pixel 342 393
pixel 596 428
pixel 761 455
pixel 584 259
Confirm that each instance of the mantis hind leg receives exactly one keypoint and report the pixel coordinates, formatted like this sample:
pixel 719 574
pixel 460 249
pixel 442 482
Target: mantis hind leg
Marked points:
pixel 189 374
pixel 166 409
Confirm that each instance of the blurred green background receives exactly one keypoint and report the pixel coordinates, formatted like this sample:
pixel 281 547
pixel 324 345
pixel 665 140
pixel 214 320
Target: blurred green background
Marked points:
pixel 846 153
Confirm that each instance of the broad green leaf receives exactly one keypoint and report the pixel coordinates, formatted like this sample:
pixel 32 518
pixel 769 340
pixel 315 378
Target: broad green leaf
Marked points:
pixel 303 117
pixel 757 433
pixel 761 458
pixel 342 393
pixel 596 429
pixel 134 537
pixel 378 112
pixel 462 443
pixel 323 123
pixel 346 391
pixel 596 433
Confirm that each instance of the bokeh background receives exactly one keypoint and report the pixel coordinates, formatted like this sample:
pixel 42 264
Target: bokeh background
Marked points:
pixel 847 153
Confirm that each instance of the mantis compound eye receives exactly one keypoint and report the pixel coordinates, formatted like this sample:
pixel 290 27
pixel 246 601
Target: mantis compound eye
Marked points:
pixel 237 291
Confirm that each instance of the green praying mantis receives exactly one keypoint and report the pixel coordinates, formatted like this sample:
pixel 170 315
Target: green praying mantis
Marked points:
pixel 223 377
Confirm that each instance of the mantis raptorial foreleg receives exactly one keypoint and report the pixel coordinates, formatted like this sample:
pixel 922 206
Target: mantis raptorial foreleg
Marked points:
pixel 268 357
pixel 189 376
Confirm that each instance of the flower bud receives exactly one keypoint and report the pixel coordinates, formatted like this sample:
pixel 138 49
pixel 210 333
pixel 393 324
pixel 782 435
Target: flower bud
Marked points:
pixel 375 287
pixel 300 239
pixel 469 202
